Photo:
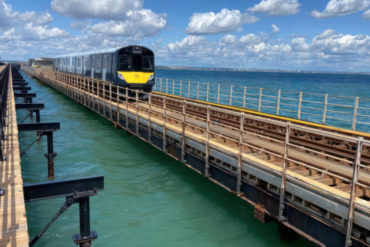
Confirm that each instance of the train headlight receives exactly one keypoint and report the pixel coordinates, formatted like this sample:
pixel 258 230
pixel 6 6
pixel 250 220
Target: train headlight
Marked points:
pixel 120 76
pixel 151 77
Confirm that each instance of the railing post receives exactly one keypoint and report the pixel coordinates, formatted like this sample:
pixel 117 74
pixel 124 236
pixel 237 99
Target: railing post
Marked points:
pixel 240 155
pixel 299 105
pixel 150 119
pixel 183 132
pixel 353 192
pixel 244 95
pixel 260 100
pixel 173 87
pixel 355 110
pixel 218 93
pixel 126 108
pixel 180 88
pixel 285 164
pixel 278 102
pixel 166 85
pixel 137 111
pixel 231 95
pixel 117 107
pixel 206 169
pixel 164 134
pixel 110 101
pixel 160 85
pixel 189 89
pixel 197 89
pixel 325 108
pixel 207 93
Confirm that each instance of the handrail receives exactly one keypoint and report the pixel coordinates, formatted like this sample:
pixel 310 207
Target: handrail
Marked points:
pixel 326 107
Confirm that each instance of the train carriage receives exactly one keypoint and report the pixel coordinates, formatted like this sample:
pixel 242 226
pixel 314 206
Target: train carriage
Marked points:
pixel 131 66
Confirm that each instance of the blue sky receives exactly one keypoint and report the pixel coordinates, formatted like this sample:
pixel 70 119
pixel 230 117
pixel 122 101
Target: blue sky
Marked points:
pixel 322 35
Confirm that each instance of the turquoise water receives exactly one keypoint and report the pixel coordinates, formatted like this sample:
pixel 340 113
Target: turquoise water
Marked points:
pixel 149 198
pixel 341 89
pixel 333 84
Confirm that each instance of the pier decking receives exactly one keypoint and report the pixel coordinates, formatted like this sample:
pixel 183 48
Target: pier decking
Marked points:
pixel 312 180
pixel 13 221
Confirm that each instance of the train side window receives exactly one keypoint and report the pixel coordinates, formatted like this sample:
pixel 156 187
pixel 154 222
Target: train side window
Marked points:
pixel 87 63
pixel 105 61
pixel 109 62
pixel 93 62
pixel 97 62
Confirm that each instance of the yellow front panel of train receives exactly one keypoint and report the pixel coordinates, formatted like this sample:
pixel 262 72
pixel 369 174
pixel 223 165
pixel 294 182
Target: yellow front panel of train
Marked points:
pixel 135 77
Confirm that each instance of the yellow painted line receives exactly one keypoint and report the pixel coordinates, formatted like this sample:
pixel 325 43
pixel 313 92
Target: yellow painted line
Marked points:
pixel 351 132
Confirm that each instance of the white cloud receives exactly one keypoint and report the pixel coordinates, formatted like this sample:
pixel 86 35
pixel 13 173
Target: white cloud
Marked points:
pixel 141 23
pixel 341 8
pixel 98 9
pixel 327 51
pixel 6 14
pixel 275 29
pixel 9 35
pixel 80 24
pixel 250 38
pixel 125 17
pixel 224 21
pixel 42 32
pixel 332 43
pixel 36 18
pixel 189 41
pixel 299 44
pixel 277 7
pixel 228 39
pixel 366 14
pixel 28 24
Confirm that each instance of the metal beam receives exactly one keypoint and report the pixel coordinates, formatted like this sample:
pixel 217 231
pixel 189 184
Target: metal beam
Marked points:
pixel 52 189
pixel 20 84
pixel 21 88
pixel 29 106
pixel 45 127
pixel 25 95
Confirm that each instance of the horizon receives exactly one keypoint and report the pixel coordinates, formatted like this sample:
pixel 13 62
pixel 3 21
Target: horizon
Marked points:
pixel 330 36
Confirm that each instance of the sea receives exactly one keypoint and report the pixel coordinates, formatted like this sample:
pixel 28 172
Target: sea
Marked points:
pixel 149 198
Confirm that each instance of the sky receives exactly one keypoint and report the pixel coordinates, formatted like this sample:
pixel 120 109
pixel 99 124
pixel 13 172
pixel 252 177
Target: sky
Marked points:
pixel 317 35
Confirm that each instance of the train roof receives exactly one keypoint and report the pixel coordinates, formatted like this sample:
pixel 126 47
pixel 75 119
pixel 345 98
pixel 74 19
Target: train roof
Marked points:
pixel 109 50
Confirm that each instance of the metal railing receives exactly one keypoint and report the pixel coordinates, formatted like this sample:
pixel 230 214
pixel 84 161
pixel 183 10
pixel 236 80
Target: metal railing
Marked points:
pixel 342 111
pixel 90 91
pixel 4 82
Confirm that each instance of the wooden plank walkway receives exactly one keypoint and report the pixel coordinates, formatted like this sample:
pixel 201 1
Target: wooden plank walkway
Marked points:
pixel 13 221
pixel 1 68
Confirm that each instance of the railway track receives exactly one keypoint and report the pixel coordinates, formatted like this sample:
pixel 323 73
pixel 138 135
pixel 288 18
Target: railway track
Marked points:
pixel 331 153
pixel 322 157
pixel 327 159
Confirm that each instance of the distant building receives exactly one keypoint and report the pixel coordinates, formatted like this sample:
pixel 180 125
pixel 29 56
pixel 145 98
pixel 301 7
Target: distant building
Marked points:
pixel 42 62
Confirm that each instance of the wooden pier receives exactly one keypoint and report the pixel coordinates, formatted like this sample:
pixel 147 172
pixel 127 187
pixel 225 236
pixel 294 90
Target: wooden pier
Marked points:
pixel 13 221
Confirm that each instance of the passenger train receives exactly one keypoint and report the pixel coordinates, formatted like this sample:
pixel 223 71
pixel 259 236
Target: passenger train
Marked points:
pixel 130 66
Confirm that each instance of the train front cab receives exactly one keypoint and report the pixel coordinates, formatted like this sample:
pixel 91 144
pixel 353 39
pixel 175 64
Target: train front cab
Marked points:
pixel 135 68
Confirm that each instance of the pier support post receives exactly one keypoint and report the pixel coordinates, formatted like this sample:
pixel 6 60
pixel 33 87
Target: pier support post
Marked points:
pixel 37 116
pixel 84 205
pixel 86 236
pixel 50 155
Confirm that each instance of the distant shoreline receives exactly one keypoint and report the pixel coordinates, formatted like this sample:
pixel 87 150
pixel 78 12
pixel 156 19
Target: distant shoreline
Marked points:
pixel 259 70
